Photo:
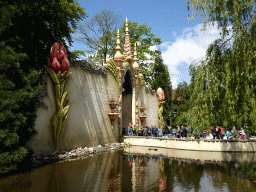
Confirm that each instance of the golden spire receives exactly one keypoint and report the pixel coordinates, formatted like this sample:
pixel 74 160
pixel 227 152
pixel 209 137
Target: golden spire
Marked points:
pixel 135 65
pixel 118 58
pixel 126 29
pixel 127 46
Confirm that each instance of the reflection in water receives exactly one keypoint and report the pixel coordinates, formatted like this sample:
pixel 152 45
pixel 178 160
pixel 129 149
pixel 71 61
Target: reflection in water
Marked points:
pixel 119 171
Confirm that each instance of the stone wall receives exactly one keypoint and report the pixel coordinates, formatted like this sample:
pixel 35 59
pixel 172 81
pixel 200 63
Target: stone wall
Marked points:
pixel 149 98
pixel 193 145
pixel 88 123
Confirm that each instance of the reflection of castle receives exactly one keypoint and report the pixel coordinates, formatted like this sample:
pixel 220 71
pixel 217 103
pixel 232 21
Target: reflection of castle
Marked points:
pixel 165 174
pixel 144 172
pixel 111 171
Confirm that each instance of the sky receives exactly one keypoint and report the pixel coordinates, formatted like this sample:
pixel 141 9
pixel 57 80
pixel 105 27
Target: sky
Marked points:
pixel 182 42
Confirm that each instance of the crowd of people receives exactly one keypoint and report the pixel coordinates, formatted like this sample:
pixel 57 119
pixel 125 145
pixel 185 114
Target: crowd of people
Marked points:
pixel 235 133
pixel 183 132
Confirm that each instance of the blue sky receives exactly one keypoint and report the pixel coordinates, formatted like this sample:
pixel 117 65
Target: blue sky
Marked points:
pixel 182 43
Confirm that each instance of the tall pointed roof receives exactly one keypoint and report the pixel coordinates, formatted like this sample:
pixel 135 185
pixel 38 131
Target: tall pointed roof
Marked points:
pixel 118 58
pixel 127 45
pixel 135 65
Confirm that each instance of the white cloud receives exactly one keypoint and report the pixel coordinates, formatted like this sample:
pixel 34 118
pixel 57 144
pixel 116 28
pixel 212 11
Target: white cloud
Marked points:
pixel 174 80
pixel 189 46
pixel 153 48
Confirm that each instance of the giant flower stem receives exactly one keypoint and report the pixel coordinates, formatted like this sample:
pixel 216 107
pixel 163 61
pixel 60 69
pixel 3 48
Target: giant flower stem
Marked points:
pixel 160 114
pixel 59 120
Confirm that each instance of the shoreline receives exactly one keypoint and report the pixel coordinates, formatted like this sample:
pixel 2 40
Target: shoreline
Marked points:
pixel 78 153
pixel 42 160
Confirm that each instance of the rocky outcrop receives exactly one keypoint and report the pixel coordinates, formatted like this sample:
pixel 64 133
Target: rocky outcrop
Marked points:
pixel 79 153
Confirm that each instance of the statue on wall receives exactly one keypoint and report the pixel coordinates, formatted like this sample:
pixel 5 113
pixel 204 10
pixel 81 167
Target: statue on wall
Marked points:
pixel 161 99
pixel 58 66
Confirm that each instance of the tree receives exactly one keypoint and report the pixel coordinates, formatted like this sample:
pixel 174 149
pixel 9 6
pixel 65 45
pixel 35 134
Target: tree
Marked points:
pixel 142 34
pixel 229 94
pixel 27 32
pixel 96 33
pixel 41 24
pixel 161 78
pixel 240 14
pixel 180 104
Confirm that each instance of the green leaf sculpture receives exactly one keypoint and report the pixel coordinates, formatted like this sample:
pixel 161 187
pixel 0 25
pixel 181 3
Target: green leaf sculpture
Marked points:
pixel 61 94
pixel 58 70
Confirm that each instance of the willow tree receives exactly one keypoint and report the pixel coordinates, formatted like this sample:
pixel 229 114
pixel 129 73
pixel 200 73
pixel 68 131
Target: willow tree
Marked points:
pixel 229 97
pixel 199 110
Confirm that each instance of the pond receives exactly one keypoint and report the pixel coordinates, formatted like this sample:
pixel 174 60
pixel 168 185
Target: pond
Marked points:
pixel 125 170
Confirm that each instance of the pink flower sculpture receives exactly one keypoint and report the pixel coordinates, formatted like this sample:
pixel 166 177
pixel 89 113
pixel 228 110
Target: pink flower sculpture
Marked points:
pixel 160 93
pixel 59 58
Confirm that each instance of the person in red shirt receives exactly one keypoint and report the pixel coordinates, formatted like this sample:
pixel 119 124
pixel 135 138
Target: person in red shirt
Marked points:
pixel 222 132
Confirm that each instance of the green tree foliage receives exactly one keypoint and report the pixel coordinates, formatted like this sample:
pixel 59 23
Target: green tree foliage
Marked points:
pixel 161 78
pixel 27 31
pixel 142 34
pixel 180 104
pixel 224 84
pixel 40 24
pixel 16 89
pixel 96 33
pixel 240 14
pixel 76 54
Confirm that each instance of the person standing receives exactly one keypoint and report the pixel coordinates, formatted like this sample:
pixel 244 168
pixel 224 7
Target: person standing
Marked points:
pixel 156 131
pixel 178 133
pixel 181 134
pixel 160 133
pixel 150 130
pixel 153 132
pixel 218 132
pixel 213 132
pixel 134 131
pixel 130 129
pixel 242 133
pixel 235 134
pixel 173 132
pixel 164 130
pixel 227 134
pixel 222 133
pixel 145 131
pixel 184 132
pixel 232 131
pixel 234 128
pixel 169 132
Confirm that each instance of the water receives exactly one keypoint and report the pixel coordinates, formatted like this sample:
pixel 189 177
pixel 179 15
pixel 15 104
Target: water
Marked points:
pixel 141 169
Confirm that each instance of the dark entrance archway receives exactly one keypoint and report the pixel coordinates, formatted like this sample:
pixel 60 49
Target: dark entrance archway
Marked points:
pixel 127 93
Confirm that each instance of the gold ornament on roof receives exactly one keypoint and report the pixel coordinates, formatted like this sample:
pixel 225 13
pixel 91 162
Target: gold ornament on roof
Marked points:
pixel 127 49
pixel 135 66
pixel 118 58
